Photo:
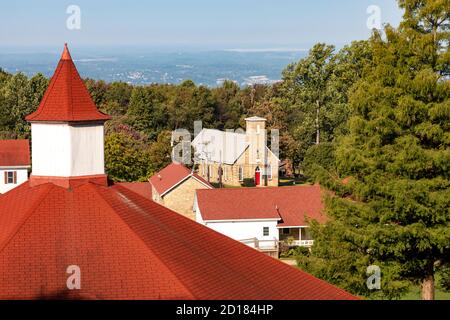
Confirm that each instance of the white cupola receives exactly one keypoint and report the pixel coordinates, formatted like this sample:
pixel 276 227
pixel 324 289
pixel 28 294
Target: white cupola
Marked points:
pixel 67 129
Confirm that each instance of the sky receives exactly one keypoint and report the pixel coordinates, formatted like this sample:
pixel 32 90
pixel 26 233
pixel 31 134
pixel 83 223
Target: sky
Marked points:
pixel 206 24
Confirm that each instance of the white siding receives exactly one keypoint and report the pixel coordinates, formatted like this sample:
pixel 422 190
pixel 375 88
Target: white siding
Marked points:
pixel 22 176
pixel 63 150
pixel 87 150
pixel 242 229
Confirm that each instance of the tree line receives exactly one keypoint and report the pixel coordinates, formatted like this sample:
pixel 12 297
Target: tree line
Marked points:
pixel 309 106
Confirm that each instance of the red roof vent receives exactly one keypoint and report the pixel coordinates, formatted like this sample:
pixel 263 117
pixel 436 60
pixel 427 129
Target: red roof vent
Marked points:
pixel 67 98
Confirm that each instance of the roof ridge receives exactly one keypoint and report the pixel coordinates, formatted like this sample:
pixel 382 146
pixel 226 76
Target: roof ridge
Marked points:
pixel 28 215
pixel 71 66
pixel 263 189
pixel 224 131
pixel 207 230
pixel 95 188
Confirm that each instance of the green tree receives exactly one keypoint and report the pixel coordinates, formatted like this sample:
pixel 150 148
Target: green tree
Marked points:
pixel 126 155
pixel 147 111
pixel 191 103
pixel 229 105
pixel 394 211
pixel 320 156
pixel 21 96
pixel 307 85
pixel 97 89
pixel 160 152
pixel 316 91
pixel 117 98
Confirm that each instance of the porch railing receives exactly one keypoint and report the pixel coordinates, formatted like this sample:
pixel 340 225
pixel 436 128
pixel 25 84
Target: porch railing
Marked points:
pixel 261 244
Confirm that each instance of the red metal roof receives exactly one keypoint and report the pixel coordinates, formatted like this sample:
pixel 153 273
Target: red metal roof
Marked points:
pixel 14 153
pixel 292 205
pixel 128 247
pixel 67 98
pixel 171 176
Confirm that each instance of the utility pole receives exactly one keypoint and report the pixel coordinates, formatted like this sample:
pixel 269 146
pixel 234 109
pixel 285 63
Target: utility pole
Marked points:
pixel 220 171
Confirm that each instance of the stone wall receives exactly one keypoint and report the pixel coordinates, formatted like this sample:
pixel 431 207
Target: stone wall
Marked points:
pixel 231 172
pixel 181 199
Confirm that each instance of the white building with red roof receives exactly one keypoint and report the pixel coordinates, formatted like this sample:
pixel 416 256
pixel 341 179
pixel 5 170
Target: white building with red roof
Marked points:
pixel 262 217
pixel 14 163
pixel 69 233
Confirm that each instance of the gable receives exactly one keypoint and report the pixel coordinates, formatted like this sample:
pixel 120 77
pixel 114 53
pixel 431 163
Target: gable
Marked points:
pixel 219 146
pixel 189 184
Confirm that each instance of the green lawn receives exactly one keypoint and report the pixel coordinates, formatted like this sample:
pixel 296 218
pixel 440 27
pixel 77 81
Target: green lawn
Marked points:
pixel 283 181
pixel 414 294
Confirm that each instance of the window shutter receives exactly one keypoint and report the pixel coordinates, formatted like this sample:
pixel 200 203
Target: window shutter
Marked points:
pixel 15 177
pixel 6 177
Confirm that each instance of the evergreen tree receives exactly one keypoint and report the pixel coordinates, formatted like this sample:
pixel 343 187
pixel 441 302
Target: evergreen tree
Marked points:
pixel 394 211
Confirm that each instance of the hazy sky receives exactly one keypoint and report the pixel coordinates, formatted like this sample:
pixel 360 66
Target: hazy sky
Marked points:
pixel 195 23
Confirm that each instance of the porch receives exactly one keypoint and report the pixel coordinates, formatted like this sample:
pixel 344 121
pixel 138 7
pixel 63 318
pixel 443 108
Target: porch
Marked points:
pixel 296 237
pixel 269 247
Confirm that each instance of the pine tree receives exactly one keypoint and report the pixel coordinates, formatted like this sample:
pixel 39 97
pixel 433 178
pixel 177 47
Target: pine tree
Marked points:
pixel 394 211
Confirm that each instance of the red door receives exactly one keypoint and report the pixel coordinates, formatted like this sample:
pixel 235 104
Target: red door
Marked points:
pixel 257 176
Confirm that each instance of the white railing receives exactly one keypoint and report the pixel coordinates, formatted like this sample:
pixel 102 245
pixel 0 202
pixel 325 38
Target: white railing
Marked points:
pixel 261 244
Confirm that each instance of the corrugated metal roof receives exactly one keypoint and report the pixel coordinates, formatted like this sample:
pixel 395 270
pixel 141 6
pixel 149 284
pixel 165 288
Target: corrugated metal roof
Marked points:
pixel 219 146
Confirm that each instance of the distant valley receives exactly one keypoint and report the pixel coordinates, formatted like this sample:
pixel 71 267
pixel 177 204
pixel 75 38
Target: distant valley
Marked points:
pixel 139 67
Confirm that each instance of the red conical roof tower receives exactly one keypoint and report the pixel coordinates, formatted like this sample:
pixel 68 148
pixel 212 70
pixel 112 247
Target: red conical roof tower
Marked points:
pixel 67 98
